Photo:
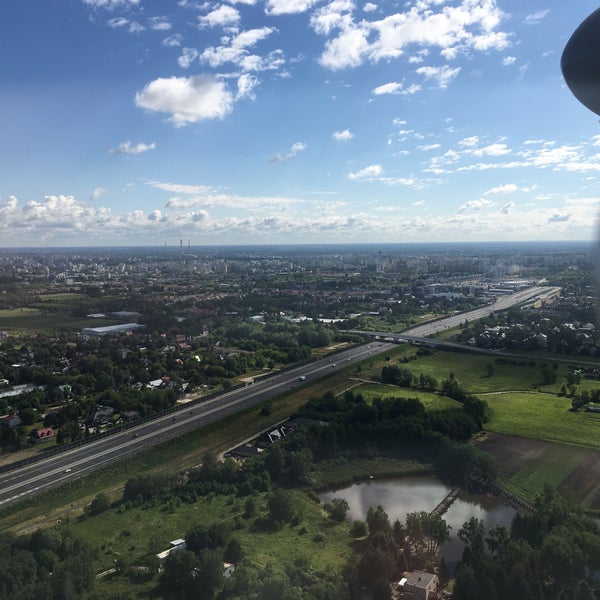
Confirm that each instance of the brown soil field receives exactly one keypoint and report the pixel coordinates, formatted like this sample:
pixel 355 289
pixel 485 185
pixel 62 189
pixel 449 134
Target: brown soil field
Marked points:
pixel 511 451
pixel 584 481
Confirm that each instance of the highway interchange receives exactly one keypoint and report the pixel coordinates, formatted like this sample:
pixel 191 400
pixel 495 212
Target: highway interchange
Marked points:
pixel 55 470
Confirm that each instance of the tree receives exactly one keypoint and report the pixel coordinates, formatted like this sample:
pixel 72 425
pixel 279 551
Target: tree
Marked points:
pixel 378 520
pixel 99 504
pixel 382 590
pixel 337 509
pixel 233 552
pixel 281 506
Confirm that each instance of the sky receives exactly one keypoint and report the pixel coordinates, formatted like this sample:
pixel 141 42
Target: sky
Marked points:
pixel 150 122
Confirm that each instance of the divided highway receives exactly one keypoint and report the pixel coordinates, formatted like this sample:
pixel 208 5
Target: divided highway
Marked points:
pixel 56 470
pixel 59 468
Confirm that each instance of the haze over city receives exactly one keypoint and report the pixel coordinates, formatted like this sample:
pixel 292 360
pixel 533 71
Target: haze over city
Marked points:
pixel 138 122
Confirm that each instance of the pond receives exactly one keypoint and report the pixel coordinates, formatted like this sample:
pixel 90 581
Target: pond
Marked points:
pixel 401 496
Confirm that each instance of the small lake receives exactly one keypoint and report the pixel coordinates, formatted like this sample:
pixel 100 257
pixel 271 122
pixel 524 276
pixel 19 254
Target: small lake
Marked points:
pixel 404 495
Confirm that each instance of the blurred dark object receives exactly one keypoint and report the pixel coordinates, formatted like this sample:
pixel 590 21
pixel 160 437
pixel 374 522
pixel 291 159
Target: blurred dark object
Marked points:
pixel 580 62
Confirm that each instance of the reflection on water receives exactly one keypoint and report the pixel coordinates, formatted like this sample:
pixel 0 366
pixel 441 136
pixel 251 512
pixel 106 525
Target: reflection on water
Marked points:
pixel 398 497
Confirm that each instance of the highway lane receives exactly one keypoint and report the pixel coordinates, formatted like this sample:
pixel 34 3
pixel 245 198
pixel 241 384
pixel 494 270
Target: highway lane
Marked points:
pixel 501 303
pixel 56 470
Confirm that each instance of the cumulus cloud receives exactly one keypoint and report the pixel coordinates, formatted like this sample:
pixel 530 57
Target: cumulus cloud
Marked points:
pixel 502 189
pixel 370 172
pixel 460 29
pixel 173 41
pixel 388 88
pixel 288 7
pixel 111 4
pixel 223 16
pixel 369 7
pixel 187 100
pixel 441 75
pixel 129 148
pixel 342 136
pixel 509 60
pixel 159 24
pixel 475 204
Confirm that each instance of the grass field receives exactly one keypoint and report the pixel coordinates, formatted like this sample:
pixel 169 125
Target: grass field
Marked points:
pixel 131 534
pixel 28 320
pixel 551 466
pixel 542 416
pixel 430 400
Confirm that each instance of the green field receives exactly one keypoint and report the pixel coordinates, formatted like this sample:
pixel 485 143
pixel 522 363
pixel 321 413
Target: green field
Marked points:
pixel 26 320
pixel 544 417
pixel 430 400
pixel 131 534
pixel 552 466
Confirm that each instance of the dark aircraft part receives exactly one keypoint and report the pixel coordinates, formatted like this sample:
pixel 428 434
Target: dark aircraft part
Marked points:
pixel 580 62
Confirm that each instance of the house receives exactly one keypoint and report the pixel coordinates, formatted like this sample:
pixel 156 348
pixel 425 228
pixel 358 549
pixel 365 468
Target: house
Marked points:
pixel 174 546
pixel 419 585
pixel 130 415
pixel 11 420
pixel 44 435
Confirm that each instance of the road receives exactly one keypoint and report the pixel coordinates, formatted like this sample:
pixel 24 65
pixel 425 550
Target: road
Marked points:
pixel 501 303
pixel 55 470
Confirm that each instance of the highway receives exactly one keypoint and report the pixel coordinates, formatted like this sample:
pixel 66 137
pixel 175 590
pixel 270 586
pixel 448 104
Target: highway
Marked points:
pixel 57 469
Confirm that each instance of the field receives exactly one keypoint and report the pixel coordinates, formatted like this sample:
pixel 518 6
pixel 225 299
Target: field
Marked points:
pixel 134 533
pixel 430 400
pixel 528 464
pixel 33 319
pixel 542 416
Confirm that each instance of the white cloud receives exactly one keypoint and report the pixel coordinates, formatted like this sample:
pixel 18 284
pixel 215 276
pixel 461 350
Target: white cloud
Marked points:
pixel 235 50
pixel 118 22
pixel 496 149
pixel 508 188
pixel 188 56
pixel 159 24
pixel 291 153
pixel 288 7
pixel 97 193
pixel 187 100
pixel 129 148
pixel 469 142
pixel 342 136
pixel 508 207
pixel 537 17
pixel 441 75
pixel 112 4
pixel 245 86
pixel 223 16
pixel 429 147
pixel 508 60
pixel 179 188
pixel 468 25
pixel 173 41
pixel 475 204
pixel 370 172
pixel 369 7
pixel 387 88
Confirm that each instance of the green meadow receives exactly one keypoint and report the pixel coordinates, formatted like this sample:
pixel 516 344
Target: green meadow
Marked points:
pixel 542 416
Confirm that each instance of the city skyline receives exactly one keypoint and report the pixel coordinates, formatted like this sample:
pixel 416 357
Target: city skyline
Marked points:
pixel 137 122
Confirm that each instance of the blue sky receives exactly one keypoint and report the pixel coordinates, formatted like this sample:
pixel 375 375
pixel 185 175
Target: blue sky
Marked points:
pixel 140 122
